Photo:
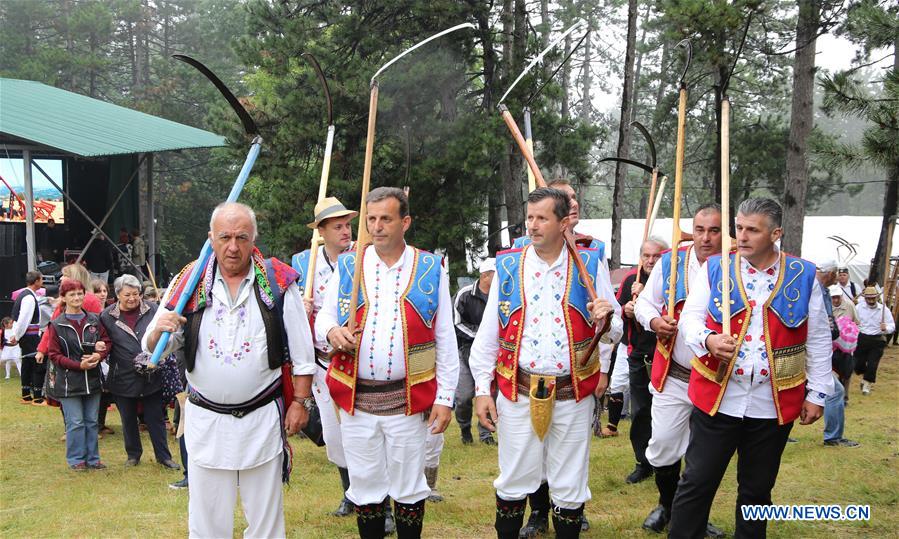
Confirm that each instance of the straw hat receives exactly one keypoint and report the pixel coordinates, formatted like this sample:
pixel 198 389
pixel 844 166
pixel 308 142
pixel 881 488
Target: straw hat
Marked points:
pixel 328 208
pixel 870 292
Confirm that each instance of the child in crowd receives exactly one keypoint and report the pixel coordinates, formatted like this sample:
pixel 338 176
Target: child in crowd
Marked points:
pixel 77 343
pixel 10 353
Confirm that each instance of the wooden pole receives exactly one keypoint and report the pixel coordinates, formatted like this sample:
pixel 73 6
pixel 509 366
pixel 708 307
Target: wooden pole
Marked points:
pixel 678 194
pixel 529 139
pixel 322 192
pixel 725 231
pixel 362 239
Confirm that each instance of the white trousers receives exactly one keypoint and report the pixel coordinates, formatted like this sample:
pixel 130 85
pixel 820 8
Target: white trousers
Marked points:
pixel 433 449
pixel 330 423
pixel 212 495
pixel 563 457
pixel 620 379
pixel 670 423
pixel 385 455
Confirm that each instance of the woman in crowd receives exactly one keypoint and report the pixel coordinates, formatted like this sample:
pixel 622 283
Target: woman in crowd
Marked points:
pixel 77 343
pixel 101 290
pixel 126 321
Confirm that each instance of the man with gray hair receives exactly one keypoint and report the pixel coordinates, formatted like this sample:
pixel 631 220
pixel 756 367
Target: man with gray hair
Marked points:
pixel 749 386
pixel 394 382
pixel 242 323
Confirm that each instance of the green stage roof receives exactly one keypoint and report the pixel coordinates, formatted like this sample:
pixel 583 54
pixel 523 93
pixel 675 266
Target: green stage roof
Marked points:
pixel 88 127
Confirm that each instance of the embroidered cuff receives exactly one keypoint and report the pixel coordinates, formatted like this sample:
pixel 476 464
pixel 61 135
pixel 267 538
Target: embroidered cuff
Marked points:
pixel 816 397
pixel 444 397
pixel 482 387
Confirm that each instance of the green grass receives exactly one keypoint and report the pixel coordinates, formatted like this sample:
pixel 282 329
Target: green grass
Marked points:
pixel 40 497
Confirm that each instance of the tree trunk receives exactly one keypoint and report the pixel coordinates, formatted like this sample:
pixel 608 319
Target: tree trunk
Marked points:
pixel 566 79
pixel 513 184
pixel 586 75
pixel 890 201
pixel 624 133
pixel 802 118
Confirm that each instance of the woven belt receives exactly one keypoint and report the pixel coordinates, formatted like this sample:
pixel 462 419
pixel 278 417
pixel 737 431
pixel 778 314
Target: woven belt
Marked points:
pixel 381 397
pixel 322 359
pixel 269 394
pixel 678 371
pixel 564 389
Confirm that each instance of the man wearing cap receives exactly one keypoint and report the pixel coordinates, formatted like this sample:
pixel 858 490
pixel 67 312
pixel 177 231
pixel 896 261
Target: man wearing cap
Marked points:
pixel 537 326
pixel 775 363
pixel 332 220
pixel 843 315
pixel 843 308
pixel 875 324
pixel 849 288
pixel 394 382
pixel 468 310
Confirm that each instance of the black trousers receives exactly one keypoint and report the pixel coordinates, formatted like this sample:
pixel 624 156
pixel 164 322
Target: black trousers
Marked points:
pixel 33 373
pixel 867 355
pixel 155 419
pixel 759 444
pixel 641 404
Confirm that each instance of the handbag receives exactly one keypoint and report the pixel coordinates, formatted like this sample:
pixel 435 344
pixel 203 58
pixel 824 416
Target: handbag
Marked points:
pixel 313 429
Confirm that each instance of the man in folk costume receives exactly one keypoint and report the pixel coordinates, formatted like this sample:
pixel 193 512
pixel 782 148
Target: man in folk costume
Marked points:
pixel 875 324
pixel 243 322
pixel 332 220
pixel 26 332
pixel 536 325
pixel 776 368
pixel 538 521
pixel 640 347
pixel 395 381
pixel 671 407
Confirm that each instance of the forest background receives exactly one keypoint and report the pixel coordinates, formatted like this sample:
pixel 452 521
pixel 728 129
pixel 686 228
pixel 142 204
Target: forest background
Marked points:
pixel 822 141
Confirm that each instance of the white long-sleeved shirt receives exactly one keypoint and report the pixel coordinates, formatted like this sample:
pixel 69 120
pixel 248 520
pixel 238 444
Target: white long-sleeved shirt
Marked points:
pixel 870 318
pixel 381 348
pixel 26 313
pixel 651 300
pixel 749 392
pixel 231 368
pixel 544 347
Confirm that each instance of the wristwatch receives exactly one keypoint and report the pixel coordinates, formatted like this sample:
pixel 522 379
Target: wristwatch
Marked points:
pixel 307 402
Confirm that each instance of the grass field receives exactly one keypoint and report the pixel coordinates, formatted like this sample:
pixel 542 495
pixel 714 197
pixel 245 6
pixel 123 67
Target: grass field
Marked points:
pixel 40 497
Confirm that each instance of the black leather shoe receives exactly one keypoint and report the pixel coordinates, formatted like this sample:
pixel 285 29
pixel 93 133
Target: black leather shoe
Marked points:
pixel 640 473
pixel 657 520
pixel 466 437
pixel 345 509
pixel 132 462
pixel 537 525
pixel 714 532
pixel 170 464
pixel 488 440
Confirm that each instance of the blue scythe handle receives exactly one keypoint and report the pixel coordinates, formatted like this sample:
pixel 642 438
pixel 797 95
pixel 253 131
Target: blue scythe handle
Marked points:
pixel 206 252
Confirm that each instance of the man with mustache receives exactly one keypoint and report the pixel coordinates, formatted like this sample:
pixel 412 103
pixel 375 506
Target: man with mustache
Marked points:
pixel 394 382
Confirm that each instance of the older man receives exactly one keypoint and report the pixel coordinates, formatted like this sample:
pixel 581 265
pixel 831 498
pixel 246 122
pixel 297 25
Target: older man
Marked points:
pixel 776 365
pixel 671 407
pixel 395 381
pixel 536 327
pixel 242 323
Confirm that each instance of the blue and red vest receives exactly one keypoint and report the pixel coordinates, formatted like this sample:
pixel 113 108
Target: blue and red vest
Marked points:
pixel 419 314
pixel 512 305
pixel 786 328
pixel 300 263
pixel 661 361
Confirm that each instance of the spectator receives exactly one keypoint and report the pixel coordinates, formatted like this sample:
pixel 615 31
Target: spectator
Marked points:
pixel 138 249
pixel 850 289
pixel 845 345
pixel 51 241
pixel 78 343
pixel 123 236
pixel 151 294
pixel 101 290
pixel 99 259
pixel 126 322
pixel 10 353
pixel 26 332
pixel 875 323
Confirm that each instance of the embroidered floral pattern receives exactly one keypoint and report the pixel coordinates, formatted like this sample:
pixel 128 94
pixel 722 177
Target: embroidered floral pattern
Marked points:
pixel 377 315
pixel 544 336
pixel 752 360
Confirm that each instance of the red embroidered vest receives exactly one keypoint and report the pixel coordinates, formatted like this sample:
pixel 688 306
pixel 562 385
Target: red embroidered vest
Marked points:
pixel 661 362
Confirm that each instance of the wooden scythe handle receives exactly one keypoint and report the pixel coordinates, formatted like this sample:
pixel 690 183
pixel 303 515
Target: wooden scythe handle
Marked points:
pixel 569 235
pixel 723 366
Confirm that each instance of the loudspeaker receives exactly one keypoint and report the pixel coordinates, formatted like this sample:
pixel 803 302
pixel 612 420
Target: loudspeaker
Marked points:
pixel 12 274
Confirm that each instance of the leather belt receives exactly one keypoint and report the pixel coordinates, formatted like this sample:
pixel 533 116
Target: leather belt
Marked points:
pixel 678 371
pixel 564 388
